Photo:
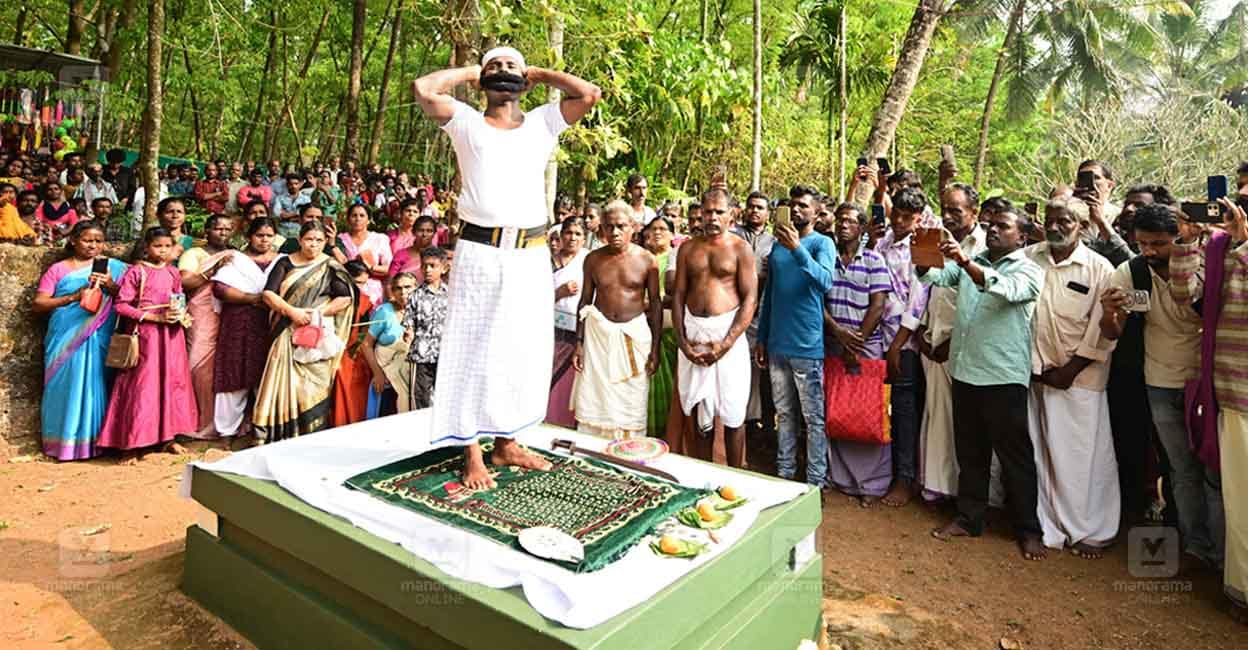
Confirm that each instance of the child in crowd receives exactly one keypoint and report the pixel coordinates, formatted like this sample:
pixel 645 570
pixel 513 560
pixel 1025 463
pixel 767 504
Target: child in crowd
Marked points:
pixel 351 380
pixel 423 320
pixel 152 402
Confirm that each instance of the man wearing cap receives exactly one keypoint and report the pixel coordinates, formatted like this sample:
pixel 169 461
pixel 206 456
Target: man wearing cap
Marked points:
pixel 498 341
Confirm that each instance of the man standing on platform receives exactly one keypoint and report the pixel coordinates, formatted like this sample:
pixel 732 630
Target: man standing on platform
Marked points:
pixel 494 368
pixel 714 303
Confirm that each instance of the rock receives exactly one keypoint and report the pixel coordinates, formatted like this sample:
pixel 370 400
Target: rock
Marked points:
pixel 1010 644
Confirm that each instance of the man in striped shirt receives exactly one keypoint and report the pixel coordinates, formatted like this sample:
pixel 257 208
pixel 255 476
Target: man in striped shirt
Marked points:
pixel 1188 270
pixel 853 309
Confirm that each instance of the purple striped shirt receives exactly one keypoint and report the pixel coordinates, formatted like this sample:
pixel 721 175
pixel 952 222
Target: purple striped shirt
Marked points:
pixel 850 295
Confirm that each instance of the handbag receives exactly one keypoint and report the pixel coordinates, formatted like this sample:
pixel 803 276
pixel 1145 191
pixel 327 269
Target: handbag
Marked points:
pixel 1200 405
pixel 91 299
pixel 308 336
pixel 123 349
pixel 857 401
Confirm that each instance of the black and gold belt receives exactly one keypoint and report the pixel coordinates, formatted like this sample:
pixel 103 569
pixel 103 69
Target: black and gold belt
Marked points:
pixel 507 237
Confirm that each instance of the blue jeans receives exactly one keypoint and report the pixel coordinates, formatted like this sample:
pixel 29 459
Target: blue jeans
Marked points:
pixel 907 411
pixel 1197 488
pixel 797 383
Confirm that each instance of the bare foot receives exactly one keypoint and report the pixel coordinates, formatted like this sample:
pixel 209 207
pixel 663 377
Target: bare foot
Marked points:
pixel 174 448
pixel 899 493
pixel 476 474
pixel 510 452
pixel 867 501
pixel 1032 548
pixel 951 530
pixel 1086 552
pixel 128 459
pixel 1239 613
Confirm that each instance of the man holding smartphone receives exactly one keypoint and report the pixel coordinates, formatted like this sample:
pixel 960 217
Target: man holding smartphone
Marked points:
pixel 1167 338
pixel 1094 184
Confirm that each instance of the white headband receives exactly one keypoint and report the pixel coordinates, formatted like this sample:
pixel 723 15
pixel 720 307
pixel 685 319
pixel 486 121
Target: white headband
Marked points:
pixel 503 51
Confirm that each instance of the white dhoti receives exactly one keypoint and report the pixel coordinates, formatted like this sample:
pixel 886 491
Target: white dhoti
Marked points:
pixel 722 389
pixel 1077 473
pixel 1233 450
pixel 497 343
pixel 939 466
pixel 609 395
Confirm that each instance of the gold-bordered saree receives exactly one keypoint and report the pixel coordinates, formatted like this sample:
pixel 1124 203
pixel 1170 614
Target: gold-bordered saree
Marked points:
pixel 296 398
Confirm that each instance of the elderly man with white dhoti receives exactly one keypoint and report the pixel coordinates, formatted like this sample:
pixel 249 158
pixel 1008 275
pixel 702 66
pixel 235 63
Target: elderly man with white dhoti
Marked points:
pixel 1077 472
pixel 494 367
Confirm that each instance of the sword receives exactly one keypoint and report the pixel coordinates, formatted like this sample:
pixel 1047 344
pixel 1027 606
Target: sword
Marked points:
pixel 608 458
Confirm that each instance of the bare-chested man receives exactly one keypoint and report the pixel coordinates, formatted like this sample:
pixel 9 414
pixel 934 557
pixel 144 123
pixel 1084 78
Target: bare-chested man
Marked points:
pixel 617 345
pixel 716 293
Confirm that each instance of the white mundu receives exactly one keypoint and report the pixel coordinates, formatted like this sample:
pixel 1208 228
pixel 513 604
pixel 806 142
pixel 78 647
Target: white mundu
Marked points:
pixel 503 170
pixel 494 364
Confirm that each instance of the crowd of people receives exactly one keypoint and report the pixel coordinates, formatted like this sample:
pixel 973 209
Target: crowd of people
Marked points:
pixel 1009 348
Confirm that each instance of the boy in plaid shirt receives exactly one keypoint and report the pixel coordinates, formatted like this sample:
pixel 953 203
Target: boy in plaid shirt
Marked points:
pixel 423 321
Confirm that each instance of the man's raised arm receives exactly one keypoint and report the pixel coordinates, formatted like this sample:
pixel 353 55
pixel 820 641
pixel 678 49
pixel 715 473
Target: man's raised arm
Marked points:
pixel 579 96
pixel 433 91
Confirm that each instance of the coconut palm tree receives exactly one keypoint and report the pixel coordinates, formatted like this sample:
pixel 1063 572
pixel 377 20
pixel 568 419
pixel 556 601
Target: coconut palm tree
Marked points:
pixel 841 68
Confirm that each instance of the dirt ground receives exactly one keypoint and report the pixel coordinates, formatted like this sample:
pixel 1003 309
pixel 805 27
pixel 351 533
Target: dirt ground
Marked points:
pixel 91 557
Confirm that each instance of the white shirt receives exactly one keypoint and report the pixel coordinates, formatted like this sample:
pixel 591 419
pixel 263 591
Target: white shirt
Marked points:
pixel 1068 314
pixel 504 170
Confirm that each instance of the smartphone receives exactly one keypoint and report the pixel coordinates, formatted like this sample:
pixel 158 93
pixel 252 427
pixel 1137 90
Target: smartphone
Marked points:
pixel 946 155
pixel 1217 187
pixel 882 164
pixel 1138 300
pixel 99 265
pixel 1031 208
pixel 877 215
pixel 1202 211
pixel 784 216
pixel 862 162
pixel 1085 180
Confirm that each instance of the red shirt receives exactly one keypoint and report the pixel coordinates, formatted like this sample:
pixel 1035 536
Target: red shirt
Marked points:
pixel 251 193
pixel 213 186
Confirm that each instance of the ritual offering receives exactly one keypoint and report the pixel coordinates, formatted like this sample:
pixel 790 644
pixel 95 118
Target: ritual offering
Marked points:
pixel 673 546
pixel 704 516
pixel 604 509
pixel 727 498
pixel 638 450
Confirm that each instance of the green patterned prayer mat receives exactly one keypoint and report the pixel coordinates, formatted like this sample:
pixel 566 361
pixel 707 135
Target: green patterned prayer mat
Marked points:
pixel 607 509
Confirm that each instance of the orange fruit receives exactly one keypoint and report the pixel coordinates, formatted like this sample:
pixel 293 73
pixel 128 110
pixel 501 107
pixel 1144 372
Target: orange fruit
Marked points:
pixel 706 511
pixel 668 545
pixel 728 493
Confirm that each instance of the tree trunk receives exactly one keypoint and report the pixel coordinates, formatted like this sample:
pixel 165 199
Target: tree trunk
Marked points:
pixel 351 148
pixel 843 99
pixel 906 74
pixel 379 122
pixel 19 27
pixel 462 25
pixel 308 58
pixel 553 95
pixel 77 25
pixel 245 150
pixel 149 150
pixel 113 49
pixel 756 159
pixel 195 122
pixel 1011 32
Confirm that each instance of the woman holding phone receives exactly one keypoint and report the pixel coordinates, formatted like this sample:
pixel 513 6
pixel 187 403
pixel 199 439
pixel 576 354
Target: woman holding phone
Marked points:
pixel 75 382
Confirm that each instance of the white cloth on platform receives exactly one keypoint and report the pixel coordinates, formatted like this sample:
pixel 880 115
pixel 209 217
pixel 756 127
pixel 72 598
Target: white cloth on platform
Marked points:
pixel 497 345
pixel 722 389
pixel 313 469
pixel 1076 471
pixel 611 391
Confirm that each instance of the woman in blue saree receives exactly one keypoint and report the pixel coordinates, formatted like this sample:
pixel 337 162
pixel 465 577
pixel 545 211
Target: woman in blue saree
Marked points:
pixel 75 388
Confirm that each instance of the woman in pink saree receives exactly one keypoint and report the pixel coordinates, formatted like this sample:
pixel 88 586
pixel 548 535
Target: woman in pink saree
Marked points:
pixel 197 266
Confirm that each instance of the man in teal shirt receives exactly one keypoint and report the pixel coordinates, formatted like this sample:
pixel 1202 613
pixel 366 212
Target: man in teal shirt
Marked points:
pixel 790 335
pixel 990 365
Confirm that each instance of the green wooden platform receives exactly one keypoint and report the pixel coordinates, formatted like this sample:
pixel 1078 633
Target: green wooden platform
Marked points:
pixel 287 575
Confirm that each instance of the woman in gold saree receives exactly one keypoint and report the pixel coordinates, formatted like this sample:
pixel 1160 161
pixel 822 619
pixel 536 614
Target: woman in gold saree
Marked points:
pixel 295 398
